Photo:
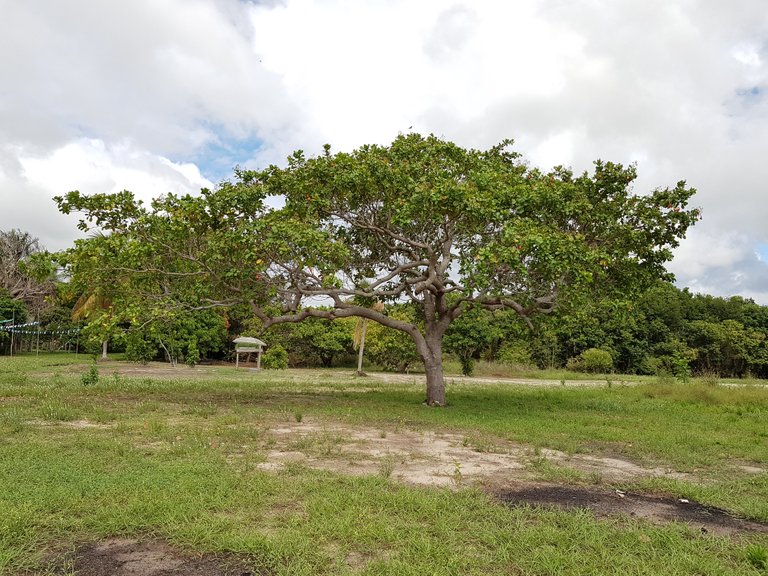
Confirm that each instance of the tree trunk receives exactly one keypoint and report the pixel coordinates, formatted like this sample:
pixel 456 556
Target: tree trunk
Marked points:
pixel 435 383
pixel 104 350
pixel 432 354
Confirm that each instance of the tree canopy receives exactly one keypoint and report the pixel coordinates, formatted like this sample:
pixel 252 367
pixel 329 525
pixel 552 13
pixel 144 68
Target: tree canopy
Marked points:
pixel 22 275
pixel 421 220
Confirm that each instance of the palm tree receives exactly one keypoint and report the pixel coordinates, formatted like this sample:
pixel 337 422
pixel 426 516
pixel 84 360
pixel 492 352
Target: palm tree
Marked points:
pixel 86 305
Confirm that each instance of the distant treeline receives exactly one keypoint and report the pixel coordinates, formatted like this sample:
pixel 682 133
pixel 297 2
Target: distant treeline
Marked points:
pixel 666 331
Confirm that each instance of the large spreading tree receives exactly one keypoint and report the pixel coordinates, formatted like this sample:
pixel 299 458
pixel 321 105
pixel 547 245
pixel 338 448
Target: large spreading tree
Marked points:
pixel 420 220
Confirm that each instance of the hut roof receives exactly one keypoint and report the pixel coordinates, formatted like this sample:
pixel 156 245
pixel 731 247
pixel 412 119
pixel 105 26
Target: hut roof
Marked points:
pixel 249 340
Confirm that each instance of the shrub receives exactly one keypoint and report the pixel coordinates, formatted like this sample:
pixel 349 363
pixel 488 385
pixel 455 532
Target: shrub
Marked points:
pixel 193 355
pixel 391 349
pixel 139 349
pixel 275 358
pixel 676 365
pixel 467 364
pixel 91 377
pixel 516 353
pixel 592 360
pixel 575 364
pixel 649 366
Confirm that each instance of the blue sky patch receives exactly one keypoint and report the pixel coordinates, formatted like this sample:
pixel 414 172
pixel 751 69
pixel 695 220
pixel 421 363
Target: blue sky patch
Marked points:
pixel 217 159
pixel 750 96
pixel 762 252
pixel 750 92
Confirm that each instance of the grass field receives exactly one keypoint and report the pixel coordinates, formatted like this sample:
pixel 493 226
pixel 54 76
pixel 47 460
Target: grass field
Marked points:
pixel 320 472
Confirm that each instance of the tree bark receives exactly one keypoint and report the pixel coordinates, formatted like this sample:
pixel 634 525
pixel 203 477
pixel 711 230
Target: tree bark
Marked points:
pixel 431 349
pixel 435 383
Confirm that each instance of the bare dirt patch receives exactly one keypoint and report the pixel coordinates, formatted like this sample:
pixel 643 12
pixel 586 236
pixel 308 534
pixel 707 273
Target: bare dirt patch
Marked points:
pixel 452 460
pixel 157 370
pixel 85 424
pixel 611 503
pixel 74 424
pixel 749 469
pixel 430 458
pixel 129 557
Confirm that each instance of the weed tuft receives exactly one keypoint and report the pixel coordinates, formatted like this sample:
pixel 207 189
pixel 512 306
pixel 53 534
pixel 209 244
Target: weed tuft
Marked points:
pixel 709 378
pixel 12 421
pixel 457 477
pixel 58 411
pixel 118 381
pixel 665 379
pixel 205 410
pixel 551 471
pixel 757 555
pixel 386 466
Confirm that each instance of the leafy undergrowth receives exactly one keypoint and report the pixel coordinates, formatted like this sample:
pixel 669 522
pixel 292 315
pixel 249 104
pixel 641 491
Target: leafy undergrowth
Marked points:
pixel 152 457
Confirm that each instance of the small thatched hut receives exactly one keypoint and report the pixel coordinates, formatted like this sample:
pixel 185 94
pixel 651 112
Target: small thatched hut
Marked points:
pixel 248 345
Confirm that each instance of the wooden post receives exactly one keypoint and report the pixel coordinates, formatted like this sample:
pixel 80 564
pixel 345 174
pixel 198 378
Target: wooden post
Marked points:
pixel 37 347
pixel 362 348
pixel 237 359
pixel 258 359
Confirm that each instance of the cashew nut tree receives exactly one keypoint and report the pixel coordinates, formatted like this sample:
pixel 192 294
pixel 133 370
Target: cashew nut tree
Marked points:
pixel 420 220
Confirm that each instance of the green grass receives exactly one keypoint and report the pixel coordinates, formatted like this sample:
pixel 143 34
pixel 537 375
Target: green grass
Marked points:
pixel 179 459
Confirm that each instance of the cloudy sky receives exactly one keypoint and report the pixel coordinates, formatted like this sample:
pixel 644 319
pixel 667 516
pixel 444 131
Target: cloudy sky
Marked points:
pixel 168 95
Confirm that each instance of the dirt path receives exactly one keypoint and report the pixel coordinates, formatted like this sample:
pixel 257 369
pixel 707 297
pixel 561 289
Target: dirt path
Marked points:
pixel 166 370
pixel 391 377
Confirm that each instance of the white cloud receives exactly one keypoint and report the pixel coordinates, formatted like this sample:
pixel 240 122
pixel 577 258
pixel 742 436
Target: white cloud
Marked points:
pixel 366 71
pixel 91 167
pixel 700 253
pixel 749 55
pixel 108 95
pixel 167 74
pixel 726 265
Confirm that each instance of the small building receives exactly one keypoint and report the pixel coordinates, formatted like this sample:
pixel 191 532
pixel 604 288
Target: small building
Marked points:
pixel 248 345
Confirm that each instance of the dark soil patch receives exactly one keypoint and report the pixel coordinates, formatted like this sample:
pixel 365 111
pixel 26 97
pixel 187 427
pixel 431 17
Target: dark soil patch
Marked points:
pixel 128 557
pixel 608 503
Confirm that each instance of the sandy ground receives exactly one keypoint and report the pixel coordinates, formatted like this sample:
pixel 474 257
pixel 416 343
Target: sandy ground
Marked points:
pixel 429 458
